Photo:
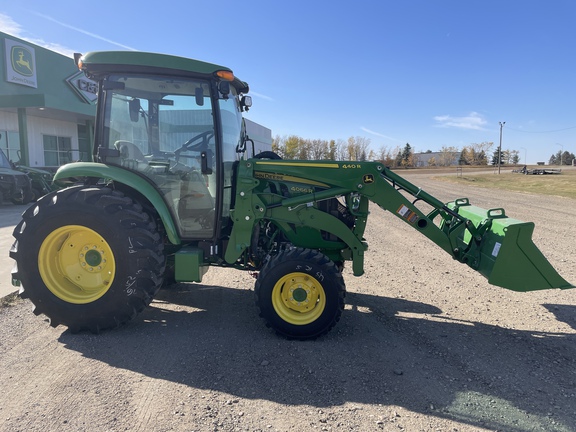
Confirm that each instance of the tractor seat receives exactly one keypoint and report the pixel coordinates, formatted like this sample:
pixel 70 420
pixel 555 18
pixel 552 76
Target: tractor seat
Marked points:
pixel 129 150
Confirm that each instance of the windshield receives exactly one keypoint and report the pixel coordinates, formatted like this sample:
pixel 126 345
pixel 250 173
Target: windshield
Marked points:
pixel 159 115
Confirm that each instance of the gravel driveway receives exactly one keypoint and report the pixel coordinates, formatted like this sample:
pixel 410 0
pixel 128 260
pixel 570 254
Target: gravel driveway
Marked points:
pixel 424 344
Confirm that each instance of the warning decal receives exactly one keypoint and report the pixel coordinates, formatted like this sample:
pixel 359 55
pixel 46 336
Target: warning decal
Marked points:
pixel 496 249
pixel 407 214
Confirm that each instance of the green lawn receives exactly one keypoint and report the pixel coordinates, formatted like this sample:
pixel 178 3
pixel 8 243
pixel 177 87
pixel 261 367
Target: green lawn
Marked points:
pixel 563 184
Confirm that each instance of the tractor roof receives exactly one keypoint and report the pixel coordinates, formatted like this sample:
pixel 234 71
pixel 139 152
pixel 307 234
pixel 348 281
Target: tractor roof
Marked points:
pixel 99 63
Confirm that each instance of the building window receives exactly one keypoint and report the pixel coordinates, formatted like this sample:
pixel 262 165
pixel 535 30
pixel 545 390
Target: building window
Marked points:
pixel 10 144
pixel 57 150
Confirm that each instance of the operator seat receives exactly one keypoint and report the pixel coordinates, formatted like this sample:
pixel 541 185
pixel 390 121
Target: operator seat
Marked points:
pixel 131 156
pixel 129 150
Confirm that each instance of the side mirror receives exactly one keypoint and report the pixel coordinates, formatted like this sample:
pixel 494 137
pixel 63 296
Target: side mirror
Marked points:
pixel 224 89
pixel 134 107
pixel 199 95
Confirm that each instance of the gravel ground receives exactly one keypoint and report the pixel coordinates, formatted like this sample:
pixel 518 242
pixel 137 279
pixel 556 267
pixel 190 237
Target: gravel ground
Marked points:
pixel 424 344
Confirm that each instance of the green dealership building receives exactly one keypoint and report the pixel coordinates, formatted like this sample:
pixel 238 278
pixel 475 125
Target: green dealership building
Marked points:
pixel 47 107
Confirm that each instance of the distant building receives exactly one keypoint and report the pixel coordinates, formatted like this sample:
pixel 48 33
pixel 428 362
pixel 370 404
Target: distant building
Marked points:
pixel 437 159
pixel 262 137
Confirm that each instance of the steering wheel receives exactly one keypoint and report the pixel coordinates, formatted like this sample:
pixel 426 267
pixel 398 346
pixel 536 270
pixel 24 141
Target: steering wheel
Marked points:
pixel 192 145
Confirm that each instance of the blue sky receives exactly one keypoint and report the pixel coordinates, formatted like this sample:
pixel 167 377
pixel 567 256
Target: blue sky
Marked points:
pixel 429 73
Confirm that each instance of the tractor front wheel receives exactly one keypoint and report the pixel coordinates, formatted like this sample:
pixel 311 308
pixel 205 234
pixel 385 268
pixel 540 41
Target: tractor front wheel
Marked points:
pixel 300 293
pixel 89 258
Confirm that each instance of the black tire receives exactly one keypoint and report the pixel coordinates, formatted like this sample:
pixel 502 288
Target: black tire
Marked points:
pixel 23 200
pixel 88 257
pixel 300 294
pixel 36 194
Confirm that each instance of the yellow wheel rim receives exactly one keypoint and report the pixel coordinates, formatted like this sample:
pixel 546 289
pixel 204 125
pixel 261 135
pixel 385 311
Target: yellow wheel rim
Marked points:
pixel 76 264
pixel 298 298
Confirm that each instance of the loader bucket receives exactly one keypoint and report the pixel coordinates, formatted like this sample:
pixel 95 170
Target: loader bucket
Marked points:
pixel 507 255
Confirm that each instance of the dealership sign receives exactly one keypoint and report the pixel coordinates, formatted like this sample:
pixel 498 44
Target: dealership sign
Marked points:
pixel 20 63
pixel 84 87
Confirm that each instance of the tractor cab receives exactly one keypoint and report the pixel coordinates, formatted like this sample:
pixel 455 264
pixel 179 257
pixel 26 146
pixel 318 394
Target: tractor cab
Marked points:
pixel 178 125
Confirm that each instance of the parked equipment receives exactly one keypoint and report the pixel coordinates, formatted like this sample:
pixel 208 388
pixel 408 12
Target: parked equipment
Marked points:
pixel 41 180
pixel 170 194
pixel 15 186
pixel 537 171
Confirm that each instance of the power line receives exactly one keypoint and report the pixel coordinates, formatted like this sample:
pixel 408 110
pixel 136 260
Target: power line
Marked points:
pixel 538 132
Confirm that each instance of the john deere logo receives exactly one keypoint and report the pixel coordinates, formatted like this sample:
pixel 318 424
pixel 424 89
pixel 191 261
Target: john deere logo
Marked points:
pixel 368 178
pixel 22 61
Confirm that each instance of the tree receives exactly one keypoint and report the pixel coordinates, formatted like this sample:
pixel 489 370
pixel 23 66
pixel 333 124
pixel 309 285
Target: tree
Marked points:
pixel 562 158
pixel 480 158
pixel 398 159
pixel 319 149
pixel 385 156
pixel 357 148
pixel 497 153
pixel 295 147
pixel 479 151
pixel 555 158
pixel 510 157
pixel 382 154
pixel 332 150
pixel 341 150
pixel 406 158
pixel 514 156
pixel 277 145
pixel 286 147
pixel 467 156
pixel 303 149
pixel 448 156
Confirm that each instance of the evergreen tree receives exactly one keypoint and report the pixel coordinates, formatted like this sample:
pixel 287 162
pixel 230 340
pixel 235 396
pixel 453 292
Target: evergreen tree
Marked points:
pixel 495 157
pixel 406 156
pixel 398 160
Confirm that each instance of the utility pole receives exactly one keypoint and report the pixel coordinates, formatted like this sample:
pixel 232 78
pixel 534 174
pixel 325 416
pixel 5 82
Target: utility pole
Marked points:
pixel 500 146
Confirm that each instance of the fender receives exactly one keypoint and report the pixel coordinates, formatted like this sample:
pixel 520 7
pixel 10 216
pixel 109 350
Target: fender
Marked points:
pixel 99 170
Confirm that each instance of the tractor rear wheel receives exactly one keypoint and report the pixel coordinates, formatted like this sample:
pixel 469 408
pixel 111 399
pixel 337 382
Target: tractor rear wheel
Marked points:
pixel 89 258
pixel 300 293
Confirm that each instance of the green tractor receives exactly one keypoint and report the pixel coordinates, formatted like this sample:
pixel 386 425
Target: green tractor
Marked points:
pixel 14 184
pixel 41 180
pixel 171 192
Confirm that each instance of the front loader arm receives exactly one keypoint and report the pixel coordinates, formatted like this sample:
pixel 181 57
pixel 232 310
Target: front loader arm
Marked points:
pixel 289 193
pixel 254 202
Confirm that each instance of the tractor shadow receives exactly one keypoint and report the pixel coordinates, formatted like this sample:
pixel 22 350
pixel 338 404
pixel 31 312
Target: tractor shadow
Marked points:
pixel 564 313
pixel 384 351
